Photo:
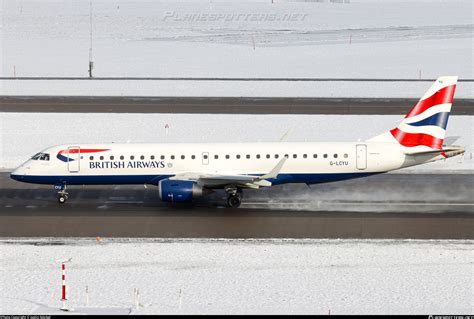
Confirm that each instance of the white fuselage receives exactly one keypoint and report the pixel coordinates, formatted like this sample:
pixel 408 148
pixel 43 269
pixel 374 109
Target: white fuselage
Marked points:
pixel 148 163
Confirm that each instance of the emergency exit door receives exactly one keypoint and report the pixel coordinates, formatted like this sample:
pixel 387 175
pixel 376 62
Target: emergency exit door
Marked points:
pixel 361 156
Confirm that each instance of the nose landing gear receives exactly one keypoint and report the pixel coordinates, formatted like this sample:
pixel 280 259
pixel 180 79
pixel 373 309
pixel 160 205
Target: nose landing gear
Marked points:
pixel 63 195
pixel 62 198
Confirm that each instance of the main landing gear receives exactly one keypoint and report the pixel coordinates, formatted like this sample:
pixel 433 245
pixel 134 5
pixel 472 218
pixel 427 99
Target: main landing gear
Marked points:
pixel 234 196
pixel 63 195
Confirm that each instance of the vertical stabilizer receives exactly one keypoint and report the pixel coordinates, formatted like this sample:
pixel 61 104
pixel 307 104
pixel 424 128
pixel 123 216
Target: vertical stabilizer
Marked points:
pixel 425 124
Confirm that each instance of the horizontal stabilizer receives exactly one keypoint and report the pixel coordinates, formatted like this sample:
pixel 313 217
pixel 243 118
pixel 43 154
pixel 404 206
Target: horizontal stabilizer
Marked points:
pixel 455 150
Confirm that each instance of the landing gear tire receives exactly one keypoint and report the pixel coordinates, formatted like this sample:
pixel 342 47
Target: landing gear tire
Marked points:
pixel 63 195
pixel 62 199
pixel 234 201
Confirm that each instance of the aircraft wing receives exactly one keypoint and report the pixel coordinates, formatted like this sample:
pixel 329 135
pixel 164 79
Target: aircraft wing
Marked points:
pixel 218 180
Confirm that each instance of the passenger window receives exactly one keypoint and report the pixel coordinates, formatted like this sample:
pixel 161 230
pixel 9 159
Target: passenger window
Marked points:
pixel 172 157
pixel 142 157
pixel 276 156
pixel 205 156
pixel 91 158
pixel 295 156
pixel 335 155
pixel 152 157
pixel 101 158
pixel 182 157
pixel 122 157
pixel 162 157
pixel 325 155
pixel 248 156
pixel 258 155
pixel 193 156
pixel 216 156
pixel 237 156
pixel 132 157
pixel 268 156
pixel 111 158
pixel 305 155
pixel 286 155
pixel 345 155
pixel 315 155
pixel 227 156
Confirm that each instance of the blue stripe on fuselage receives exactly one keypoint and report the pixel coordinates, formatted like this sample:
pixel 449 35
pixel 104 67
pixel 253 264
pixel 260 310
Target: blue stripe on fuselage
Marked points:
pixel 91 179
pixel 316 178
pixel 313 178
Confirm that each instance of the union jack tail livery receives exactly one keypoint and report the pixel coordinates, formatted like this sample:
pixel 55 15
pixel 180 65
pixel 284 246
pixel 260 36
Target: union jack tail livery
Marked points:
pixel 424 127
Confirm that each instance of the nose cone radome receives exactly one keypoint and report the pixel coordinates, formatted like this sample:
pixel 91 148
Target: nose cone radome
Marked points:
pixel 18 174
pixel 15 176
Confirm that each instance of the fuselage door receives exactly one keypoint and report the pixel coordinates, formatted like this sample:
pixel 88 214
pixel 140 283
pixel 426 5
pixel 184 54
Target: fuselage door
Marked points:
pixel 205 158
pixel 74 158
pixel 361 156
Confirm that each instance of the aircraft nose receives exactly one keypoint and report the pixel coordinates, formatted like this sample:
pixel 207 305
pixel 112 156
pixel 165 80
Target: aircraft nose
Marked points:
pixel 17 174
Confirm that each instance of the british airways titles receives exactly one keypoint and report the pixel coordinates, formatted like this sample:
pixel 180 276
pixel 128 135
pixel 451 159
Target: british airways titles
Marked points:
pixel 129 164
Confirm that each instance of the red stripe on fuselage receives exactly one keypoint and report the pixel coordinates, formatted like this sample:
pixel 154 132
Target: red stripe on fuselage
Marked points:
pixel 445 95
pixel 416 139
pixel 82 150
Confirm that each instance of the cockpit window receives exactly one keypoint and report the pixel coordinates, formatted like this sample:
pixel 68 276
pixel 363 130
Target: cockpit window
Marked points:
pixel 41 157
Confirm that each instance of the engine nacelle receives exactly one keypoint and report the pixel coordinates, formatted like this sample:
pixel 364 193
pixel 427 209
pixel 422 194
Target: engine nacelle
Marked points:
pixel 178 191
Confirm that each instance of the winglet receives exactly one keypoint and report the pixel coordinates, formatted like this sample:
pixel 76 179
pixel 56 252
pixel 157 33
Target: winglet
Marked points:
pixel 275 171
pixel 284 136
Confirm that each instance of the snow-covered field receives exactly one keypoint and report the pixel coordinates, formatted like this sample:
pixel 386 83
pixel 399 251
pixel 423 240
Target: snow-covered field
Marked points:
pixel 226 88
pixel 25 134
pixel 240 276
pixel 233 38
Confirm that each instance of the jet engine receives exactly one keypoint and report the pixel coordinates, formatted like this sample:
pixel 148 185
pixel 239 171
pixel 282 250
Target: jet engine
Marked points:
pixel 178 191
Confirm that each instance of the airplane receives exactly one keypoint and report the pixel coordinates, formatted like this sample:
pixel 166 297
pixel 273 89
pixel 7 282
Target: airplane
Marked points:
pixel 183 172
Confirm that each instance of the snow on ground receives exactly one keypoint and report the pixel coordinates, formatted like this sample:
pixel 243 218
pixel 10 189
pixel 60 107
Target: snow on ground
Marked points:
pixel 225 88
pixel 240 276
pixel 201 38
pixel 25 134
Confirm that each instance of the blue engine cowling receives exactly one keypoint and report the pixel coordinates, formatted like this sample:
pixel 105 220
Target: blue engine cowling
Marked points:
pixel 178 191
